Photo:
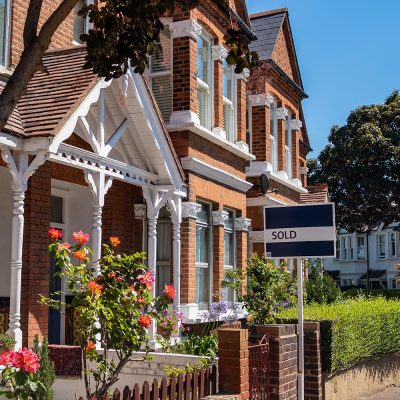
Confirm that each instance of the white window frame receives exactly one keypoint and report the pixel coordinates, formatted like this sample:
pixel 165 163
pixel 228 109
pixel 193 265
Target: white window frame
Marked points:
pixel 343 246
pixel 338 250
pixel 167 72
pixel 230 104
pixel 274 136
pixel 392 238
pixel 380 256
pixel 363 237
pixel 7 34
pixel 232 231
pixel 206 88
pixel 208 265
pixel 86 24
pixel 351 242
pixel 288 145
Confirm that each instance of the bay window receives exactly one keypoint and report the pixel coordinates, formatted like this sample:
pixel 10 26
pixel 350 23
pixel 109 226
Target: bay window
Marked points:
pixel 229 100
pixel 204 80
pixel 273 136
pixel 229 252
pixel 203 256
pixel 381 246
pixel 344 248
pixel 5 10
pixel 160 73
pixel 351 247
pixel 392 245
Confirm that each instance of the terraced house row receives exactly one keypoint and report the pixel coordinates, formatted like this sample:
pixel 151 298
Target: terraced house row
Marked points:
pixel 170 161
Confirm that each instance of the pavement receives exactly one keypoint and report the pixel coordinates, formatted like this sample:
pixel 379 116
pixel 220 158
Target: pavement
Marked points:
pixel 390 393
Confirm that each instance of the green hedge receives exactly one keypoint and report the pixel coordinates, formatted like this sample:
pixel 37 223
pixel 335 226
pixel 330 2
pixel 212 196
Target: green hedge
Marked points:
pixel 353 330
pixel 387 294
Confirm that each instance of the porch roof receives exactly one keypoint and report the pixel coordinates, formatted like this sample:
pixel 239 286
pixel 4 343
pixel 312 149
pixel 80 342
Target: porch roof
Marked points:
pixel 374 274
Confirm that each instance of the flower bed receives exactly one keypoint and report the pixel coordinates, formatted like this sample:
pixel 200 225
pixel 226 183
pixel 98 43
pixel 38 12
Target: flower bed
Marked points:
pixel 353 330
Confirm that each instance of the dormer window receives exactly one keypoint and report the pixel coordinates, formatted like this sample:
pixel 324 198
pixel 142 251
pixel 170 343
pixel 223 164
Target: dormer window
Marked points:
pixel 5 8
pixel 204 80
pixel 229 101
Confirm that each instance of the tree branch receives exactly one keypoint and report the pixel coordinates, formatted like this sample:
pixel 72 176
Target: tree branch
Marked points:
pixel 32 21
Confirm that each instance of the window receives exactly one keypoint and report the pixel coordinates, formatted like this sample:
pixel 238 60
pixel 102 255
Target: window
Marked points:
pixel 288 145
pixel 381 246
pixel 5 8
pixel 229 252
pixel 160 73
pixel 229 100
pixel 204 80
pixel 203 256
pixel 344 248
pixel 392 244
pixel 273 135
pixel 337 249
pixel 393 284
pixel 351 247
pixel 361 247
pixel 163 274
pixel 80 25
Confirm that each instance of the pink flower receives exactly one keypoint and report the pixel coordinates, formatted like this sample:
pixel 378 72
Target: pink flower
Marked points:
pixel 80 237
pixel 25 360
pixel 6 358
pixel 54 234
pixel 147 279
pixel 63 246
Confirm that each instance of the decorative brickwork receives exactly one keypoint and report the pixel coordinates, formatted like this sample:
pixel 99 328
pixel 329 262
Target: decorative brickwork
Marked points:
pixel 188 261
pixel 218 264
pixel 233 363
pixel 261 133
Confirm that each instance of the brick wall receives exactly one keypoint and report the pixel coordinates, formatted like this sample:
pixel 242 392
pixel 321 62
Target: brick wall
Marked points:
pixel 260 133
pixel 188 261
pixel 36 257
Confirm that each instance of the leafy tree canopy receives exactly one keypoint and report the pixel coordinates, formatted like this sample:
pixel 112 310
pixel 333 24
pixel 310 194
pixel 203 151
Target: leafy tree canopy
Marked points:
pixel 361 164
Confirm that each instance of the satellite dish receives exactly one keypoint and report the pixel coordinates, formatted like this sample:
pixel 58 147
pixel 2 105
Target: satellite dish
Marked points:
pixel 264 184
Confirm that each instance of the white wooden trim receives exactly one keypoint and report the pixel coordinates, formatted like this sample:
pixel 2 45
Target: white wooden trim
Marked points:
pixel 195 165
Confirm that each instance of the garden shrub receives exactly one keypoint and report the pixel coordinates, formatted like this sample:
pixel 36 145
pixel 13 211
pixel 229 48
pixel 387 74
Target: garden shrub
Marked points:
pixel 361 292
pixel 352 331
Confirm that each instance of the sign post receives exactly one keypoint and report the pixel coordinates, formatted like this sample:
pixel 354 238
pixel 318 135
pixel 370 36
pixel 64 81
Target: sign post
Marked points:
pixel 297 232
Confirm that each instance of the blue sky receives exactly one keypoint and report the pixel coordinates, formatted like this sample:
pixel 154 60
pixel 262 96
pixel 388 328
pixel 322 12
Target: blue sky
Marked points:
pixel 349 55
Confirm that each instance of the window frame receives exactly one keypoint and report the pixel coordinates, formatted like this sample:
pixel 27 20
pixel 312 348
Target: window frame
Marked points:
pixel 208 265
pixel 7 34
pixel 232 231
pixel 338 250
pixel 363 237
pixel 231 133
pixel 86 24
pixel 207 88
pixel 392 234
pixel 274 135
pixel 378 248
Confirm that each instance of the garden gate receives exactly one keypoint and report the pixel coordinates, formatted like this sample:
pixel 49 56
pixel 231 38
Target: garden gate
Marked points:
pixel 258 369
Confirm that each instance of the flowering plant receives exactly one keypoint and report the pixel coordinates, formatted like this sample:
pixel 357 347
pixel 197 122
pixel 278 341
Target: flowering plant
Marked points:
pixel 115 306
pixel 19 374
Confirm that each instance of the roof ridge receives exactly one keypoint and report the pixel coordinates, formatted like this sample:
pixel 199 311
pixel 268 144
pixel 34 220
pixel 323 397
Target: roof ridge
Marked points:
pixel 268 13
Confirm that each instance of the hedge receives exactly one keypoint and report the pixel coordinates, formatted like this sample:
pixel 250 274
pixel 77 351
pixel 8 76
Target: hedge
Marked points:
pixel 387 294
pixel 353 330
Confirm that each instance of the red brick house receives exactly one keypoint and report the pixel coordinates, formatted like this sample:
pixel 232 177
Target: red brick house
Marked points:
pixel 162 161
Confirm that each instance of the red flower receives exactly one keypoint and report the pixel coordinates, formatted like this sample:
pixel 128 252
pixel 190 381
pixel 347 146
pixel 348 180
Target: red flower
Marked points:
pixel 63 246
pixel 114 241
pixel 147 279
pixel 145 321
pixel 90 346
pixel 80 255
pixel 80 237
pixel 169 292
pixel 95 288
pixel 112 274
pixel 25 360
pixel 54 234
pixel 6 358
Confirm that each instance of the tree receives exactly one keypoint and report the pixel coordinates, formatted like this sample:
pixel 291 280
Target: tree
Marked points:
pixel 126 32
pixel 314 172
pixel 361 165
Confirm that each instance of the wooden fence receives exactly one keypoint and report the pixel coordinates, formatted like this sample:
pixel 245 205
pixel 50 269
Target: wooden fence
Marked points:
pixel 183 387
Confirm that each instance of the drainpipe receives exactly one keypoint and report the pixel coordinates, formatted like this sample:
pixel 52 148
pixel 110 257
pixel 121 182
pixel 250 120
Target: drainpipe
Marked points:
pixel 368 270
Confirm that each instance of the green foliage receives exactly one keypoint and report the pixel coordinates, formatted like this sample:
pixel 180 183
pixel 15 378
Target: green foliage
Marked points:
pixel 171 371
pixel 361 165
pixel 45 374
pixel 205 346
pixel 320 288
pixel 354 330
pixel 128 31
pixel 314 172
pixel 361 293
pixel 267 288
pixel 6 342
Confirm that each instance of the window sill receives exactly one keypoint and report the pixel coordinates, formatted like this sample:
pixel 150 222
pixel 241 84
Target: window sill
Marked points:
pixel 258 168
pixel 212 137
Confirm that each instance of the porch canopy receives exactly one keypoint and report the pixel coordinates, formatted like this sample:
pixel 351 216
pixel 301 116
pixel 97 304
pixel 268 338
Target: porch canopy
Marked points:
pixel 126 140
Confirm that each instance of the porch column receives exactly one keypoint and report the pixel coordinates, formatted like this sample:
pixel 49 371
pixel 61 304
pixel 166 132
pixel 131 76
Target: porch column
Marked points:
pixel 21 171
pixel 155 201
pixel 99 185
pixel 175 207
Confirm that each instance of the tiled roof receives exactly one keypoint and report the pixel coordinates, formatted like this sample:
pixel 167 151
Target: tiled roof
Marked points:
pixel 53 95
pixel 319 197
pixel 266 27
pixel 14 124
